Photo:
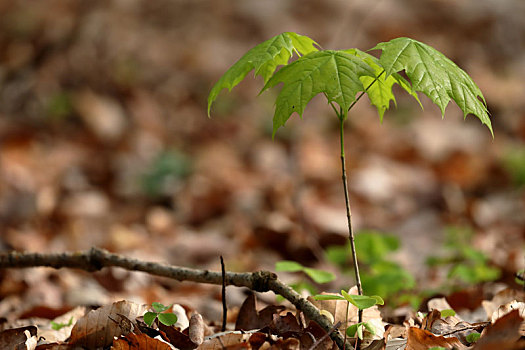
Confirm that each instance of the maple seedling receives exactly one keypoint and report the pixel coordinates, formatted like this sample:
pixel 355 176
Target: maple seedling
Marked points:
pixel 166 318
pixel 340 75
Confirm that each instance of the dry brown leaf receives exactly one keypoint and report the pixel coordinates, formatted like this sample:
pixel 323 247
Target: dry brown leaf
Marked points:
pixel 501 298
pixel 139 342
pixel 196 329
pixel 228 340
pixel 503 334
pixel 249 318
pixel 177 338
pixel 16 337
pixel 419 339
pixel 507 308
pixel 98 327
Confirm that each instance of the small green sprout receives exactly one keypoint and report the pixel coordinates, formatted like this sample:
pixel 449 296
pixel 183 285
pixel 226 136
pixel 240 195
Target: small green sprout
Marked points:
pixel 473 337
pixel 447 312
pixel 59 325
pixel 166 318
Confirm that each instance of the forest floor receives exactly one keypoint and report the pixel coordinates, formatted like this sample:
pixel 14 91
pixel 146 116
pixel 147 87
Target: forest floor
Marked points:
pixel 104 142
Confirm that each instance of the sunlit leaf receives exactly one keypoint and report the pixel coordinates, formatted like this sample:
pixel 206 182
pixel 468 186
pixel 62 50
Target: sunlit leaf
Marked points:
pixel 336 74
pixel 288 266
pixel 473 337
pixel 435 75
pixel 328 297
pixel 264 59
pixel 380 86
pixel 447 313
pixel 168 318
pixel 319 276
pixel 158 307
pixel 360 301
pixel 149 317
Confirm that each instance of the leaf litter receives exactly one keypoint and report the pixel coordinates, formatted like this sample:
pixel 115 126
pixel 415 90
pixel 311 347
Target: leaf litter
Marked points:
pixel 106 92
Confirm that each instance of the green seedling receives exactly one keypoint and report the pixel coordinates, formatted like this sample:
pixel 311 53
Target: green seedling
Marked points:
pixel 447 313
pixel 362 302
pixel 340 75
pixel 318 276
pixel 380 275
pixel 59 325
pixel 358 328
pixel 466 265
pixel 166 318
pixel 473 337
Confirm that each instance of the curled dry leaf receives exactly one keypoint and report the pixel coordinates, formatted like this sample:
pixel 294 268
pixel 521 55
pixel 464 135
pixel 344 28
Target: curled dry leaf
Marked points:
pixel 420 339
pixel 196 329
pixel 182 319
pixel 140 342
pixel 15 337
pixel 507 308
pixel 98 327
pixel 501 298
pixel 503 334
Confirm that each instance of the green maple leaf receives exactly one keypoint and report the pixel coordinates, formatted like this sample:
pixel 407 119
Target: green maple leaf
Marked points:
pixel 435 75
pixel 264 58
pixel 335 73
pixel 380 86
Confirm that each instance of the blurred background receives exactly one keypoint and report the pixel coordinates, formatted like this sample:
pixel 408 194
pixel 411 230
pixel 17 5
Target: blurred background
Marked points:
pixel 104 141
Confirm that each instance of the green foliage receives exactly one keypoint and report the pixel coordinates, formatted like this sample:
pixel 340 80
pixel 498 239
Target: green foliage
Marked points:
pixel 166 170
pixel 435 75
pixel 318 276
pixel 58 325
pixel 59 106
pixel 466 265
pixel 473 337
pixel 357 329
pixel 514 163
pixel 166 318
pixel 519 279
pixel 379 88
pixel 447 313
pixel 340 75
pixel 360 301
pixel 336 74
pixel 264 58
pixel 379 275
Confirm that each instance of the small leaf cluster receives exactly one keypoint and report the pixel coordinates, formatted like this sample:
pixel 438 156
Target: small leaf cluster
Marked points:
pixel 362 302
pixel 341 74
pixel 166 318
pixel 467 265
pixel 379 274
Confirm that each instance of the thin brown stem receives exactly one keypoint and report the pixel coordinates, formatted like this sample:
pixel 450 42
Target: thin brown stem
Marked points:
pixel 350 228
pixel 224 307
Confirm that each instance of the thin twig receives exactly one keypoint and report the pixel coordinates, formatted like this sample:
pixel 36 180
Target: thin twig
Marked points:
pixel 95 259
pixel 224 307
pixel 466 328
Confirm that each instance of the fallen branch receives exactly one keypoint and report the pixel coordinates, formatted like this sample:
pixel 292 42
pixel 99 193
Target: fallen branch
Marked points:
pixel 95 259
